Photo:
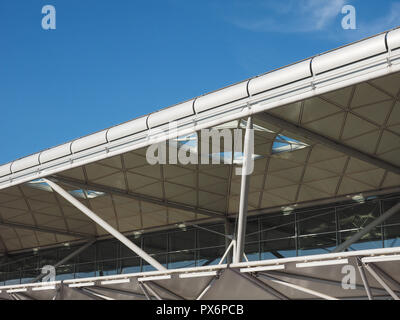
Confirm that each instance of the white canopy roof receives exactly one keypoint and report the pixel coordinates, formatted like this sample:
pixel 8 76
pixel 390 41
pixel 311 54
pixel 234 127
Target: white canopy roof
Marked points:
pixel 342 107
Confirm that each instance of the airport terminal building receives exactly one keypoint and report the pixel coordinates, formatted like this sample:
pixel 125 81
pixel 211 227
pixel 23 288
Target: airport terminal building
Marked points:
pixel 95 219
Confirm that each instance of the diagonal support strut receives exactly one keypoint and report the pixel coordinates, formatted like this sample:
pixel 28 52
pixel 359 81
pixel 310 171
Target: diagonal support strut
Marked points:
pixel 77 204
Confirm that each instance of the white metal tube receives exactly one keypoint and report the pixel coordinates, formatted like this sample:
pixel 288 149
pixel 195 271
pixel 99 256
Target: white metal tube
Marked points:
pixel 205 290
pixel 381 282
pixel 234 250
pixel 297 287
pixel 105 225
pixel 226 252
pixel 244 192
pixel 364 279
pixel 144 291
pixel 149 289
pixel 262 285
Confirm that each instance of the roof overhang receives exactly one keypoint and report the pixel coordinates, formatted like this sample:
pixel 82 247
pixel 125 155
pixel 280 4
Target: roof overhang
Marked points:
pixel 338 103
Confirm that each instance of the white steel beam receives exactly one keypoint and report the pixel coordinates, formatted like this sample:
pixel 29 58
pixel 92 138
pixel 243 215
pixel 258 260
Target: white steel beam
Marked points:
pixel 244 191
pixel 364 279
pixel 231 245
pixel 144 291
pixel 207 287
pixel 150 289
pixel 297 287
pixel 381 281
pixel 87 293
pixel 76 203
pixel 99 295
pixel 318 280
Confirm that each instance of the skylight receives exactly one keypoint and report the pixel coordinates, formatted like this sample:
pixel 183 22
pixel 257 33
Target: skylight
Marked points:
pixel 86 194
pixel 79 193
pixel 286 144
pixel 39 184
pixel 190 142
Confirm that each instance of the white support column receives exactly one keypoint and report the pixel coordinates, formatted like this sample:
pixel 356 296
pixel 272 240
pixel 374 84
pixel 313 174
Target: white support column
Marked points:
pixel 244 191
pixel 381 281
pixel 76 203
pixel 228 239
pixel 142 287
pixel 364 279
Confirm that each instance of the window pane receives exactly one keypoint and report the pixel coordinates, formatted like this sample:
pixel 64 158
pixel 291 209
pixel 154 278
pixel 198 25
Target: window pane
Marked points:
pixel 31 263
pixel 386 205
pixel 130 265
pixel 182 240
pixel 155 243
pixel 88 255
pixel 48 257
pixel 278 226
pixel 107 267
pixel 65 272
pixel 317 244
pixel 107 250
pixel 372 240
pixel 318 221
pixel 252 251
pixel 209 239
pixel 392 236
pixel 12 278
pixel 28 275
pixel 65 251
pixel 161 258
pixel 85 270
pixel 252 231
pixel 278 249
pixel 357 216
pixel 210 256
pixel 183 259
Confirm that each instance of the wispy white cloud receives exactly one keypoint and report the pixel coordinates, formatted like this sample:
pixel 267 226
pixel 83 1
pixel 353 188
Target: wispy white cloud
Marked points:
pixel 292 16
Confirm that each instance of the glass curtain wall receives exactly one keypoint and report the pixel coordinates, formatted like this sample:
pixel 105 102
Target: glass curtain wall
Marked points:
pixel 275 235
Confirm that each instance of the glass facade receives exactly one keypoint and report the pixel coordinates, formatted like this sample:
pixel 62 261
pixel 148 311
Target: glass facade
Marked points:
pixel 274 235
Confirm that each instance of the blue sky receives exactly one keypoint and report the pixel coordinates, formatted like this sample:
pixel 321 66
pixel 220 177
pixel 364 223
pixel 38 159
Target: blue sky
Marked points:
pixel 111 61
